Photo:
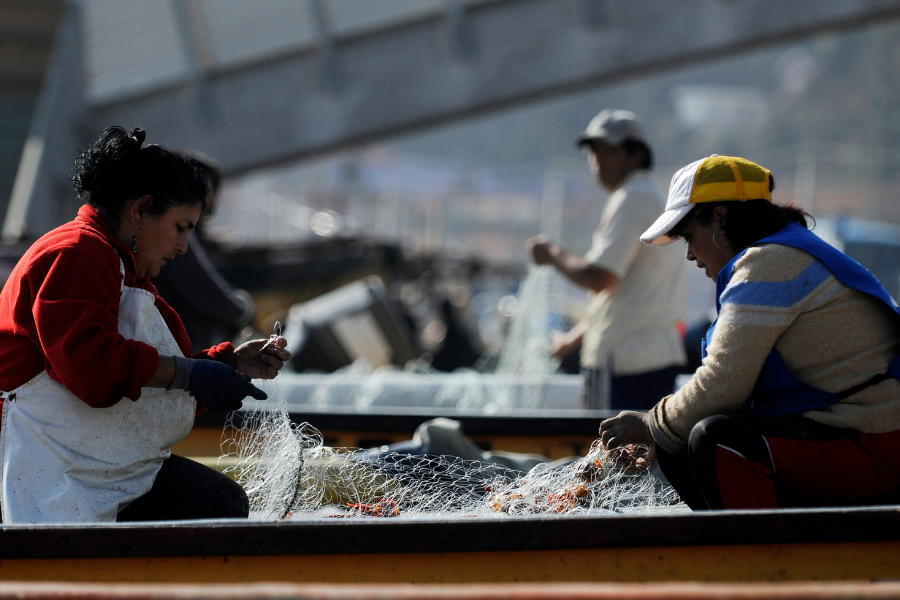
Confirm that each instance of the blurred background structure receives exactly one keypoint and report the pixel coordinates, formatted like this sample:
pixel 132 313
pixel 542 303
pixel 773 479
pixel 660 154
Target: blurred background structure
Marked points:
pixel 429 139
pixel 27 36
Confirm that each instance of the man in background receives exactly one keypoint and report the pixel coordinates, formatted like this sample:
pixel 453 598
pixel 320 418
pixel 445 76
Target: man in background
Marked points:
pixel 631 351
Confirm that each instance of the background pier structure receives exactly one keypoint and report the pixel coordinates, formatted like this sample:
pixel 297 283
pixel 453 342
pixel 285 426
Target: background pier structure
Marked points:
pixel 278 81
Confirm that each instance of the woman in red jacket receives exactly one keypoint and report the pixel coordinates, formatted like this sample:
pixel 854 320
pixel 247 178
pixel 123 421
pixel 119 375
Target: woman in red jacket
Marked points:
pixel 97 377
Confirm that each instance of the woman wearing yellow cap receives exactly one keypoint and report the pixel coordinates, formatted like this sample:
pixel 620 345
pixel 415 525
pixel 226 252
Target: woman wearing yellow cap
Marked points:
pixel 797 402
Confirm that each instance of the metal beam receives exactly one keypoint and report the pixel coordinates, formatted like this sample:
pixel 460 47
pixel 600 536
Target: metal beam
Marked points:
pixel 412 77
pixel 465 59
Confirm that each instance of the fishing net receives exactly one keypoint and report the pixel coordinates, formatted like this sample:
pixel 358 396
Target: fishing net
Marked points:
pixel 288 471
pixel 527 355
pixel 515 379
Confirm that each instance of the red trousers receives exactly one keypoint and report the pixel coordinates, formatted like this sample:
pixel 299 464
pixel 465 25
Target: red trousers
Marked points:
pixel 755 461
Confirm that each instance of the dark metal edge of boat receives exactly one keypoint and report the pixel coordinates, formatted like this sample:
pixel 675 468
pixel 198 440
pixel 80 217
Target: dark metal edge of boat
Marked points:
pixel 380 535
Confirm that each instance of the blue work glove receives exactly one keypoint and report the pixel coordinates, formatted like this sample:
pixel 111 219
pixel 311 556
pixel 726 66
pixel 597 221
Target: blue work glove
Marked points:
pixel 215 385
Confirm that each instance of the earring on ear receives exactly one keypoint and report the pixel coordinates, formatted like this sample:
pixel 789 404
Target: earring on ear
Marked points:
pixel 716 244
pixel 134 241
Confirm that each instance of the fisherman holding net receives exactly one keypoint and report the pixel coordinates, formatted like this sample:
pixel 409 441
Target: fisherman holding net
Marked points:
pixel 797 402
pixel 98 376
pixel 631 352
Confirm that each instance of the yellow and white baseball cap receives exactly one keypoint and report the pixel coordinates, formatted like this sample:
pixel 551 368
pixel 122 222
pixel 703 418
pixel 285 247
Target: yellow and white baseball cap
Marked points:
pixel 713 179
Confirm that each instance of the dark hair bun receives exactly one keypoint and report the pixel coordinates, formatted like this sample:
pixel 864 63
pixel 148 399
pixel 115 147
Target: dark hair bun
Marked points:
pixel 114 168
pixel 101 163
pixel 138 136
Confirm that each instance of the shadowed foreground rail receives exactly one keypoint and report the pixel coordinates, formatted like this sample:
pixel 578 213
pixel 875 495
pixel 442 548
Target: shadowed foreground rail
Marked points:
pixel 800 545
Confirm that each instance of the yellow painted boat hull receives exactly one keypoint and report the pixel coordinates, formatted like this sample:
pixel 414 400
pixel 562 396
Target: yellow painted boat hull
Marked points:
pixel 789 545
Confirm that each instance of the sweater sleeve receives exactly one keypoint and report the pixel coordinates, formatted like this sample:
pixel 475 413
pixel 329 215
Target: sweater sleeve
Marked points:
pixel 223 352
pixel 770 286
pixel 73 295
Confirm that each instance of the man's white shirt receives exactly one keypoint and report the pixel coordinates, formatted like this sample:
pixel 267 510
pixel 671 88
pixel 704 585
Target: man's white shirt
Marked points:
pixel 632 328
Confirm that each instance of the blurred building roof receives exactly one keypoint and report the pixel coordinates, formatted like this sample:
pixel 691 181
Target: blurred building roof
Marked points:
pixel 132 47
pixel 266 82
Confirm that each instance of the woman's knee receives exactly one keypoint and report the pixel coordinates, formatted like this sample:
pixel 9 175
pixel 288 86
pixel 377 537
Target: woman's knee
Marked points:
pixel 198 491
pixel 233 502
pixel 706 435
pixel 740 433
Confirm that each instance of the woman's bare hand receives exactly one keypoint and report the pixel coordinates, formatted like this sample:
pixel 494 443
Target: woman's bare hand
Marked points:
pixel 260 359
pixel 628 427
pixel 624 435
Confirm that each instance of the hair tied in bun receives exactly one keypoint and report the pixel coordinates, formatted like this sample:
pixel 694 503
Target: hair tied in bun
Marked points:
pixel 138 136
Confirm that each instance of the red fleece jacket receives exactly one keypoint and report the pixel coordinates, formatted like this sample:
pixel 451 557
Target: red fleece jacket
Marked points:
pixel 59 312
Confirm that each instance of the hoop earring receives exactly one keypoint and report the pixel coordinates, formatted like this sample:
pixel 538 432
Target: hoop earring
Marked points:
pixel 134 241
pixel 716 244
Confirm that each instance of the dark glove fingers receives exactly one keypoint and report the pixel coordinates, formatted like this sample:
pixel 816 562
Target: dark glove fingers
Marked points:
pixel 258 393
pixel 209 384
pixel 245 388
pixel 220 388
pixel 240 388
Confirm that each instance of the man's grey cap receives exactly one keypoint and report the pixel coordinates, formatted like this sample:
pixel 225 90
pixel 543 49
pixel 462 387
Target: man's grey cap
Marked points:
pixel 612 127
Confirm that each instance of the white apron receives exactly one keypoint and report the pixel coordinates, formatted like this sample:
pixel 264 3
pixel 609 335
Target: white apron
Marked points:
pixel 65 462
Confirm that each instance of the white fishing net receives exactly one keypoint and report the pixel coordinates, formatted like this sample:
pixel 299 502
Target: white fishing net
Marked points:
pixel 516 379
pixel 287 471
pixel 527 351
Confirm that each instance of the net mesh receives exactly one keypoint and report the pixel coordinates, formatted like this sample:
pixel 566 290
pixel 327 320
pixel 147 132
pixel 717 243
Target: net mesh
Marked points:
pixel 288 472
pixel 517 379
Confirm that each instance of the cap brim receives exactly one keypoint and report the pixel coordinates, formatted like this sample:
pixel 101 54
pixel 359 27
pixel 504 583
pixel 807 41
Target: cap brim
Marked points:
pixel 584 138
pixel 658 233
